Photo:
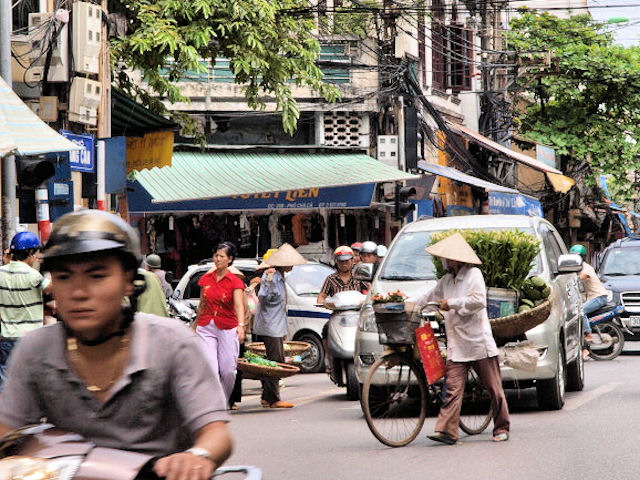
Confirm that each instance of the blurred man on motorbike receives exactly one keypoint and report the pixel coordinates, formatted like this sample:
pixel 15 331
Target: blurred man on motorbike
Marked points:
pixel 121 379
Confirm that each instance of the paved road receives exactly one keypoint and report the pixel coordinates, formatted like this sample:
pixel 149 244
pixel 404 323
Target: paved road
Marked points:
pixel 595 436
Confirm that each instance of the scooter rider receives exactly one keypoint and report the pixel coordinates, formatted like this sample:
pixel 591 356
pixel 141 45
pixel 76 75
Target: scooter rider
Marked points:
pixel 356 246
pixel 121 379
pixel 595 295
pixel 369 254
pixel 341 281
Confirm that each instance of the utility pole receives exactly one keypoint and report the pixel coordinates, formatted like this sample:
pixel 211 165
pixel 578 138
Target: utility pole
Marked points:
pixel 8 161
pixel 486 108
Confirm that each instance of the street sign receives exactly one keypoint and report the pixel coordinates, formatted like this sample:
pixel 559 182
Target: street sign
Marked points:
pixel 81 160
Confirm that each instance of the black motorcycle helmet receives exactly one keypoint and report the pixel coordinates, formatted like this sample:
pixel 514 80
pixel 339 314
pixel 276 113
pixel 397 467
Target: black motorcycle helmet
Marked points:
pixel 90 231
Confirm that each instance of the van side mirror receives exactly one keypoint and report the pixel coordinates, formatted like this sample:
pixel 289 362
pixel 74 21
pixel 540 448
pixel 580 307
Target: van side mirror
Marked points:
pixel 569 263
pixel 363 272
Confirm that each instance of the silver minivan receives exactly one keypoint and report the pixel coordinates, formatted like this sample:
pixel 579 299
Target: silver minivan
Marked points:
pixel 409 268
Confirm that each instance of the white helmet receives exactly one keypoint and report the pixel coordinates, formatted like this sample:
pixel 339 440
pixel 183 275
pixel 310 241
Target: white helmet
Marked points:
pixel 369 247
pixel 382 251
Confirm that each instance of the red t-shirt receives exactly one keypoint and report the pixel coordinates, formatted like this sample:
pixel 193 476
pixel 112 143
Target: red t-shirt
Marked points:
pixel 218 300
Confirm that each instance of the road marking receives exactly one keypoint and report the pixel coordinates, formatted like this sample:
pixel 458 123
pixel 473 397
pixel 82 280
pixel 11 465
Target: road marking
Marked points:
pixel 585 397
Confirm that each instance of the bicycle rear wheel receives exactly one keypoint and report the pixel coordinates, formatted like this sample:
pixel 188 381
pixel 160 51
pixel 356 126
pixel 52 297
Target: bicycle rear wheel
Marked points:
pixel 476 412
pixel 394 400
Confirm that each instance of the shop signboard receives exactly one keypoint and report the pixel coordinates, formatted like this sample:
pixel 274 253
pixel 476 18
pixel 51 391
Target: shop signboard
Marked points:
pixel 349 196
pixel 81 160
pixel 546 155
pixel 513 204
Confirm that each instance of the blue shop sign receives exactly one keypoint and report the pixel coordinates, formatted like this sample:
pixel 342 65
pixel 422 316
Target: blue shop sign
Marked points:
pixel 349 196
pixel 514 204
pixel 81 160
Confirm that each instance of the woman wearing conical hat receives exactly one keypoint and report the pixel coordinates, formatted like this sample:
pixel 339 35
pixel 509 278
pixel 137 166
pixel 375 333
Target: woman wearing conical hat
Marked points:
pixel 270 322
pixel 462 298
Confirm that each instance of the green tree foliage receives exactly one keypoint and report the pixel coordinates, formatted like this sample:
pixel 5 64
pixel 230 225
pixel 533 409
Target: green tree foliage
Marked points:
pixel 587 102
pixel 270 48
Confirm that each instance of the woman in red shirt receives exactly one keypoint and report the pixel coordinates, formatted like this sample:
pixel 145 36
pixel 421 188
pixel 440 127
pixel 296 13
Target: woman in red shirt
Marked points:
pixel 221 307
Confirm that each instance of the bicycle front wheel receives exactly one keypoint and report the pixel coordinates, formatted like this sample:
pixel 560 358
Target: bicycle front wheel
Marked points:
pixel 476 412
pixel 394 400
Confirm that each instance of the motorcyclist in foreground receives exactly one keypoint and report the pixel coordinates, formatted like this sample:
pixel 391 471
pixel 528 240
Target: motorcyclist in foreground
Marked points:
pixel 121 379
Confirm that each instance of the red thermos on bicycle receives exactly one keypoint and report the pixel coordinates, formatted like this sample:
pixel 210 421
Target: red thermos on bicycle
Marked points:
pixel 434 364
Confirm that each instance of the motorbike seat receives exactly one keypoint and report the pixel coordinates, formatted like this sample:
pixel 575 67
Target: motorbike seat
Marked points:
pixel 604 309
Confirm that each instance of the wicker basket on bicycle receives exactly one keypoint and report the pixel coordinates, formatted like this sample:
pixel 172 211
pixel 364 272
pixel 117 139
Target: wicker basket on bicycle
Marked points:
pixel 396 326
pixel 518 323
pixel 256 372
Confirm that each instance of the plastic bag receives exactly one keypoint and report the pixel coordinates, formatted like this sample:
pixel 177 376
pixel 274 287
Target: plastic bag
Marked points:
pixel 521 356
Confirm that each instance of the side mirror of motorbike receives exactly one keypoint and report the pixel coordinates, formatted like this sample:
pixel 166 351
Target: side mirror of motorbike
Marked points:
pixel 168 276
pixel 569 263
pixel 363 272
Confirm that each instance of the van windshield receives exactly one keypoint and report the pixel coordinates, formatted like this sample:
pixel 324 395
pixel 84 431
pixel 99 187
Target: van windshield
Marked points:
pixel 408 260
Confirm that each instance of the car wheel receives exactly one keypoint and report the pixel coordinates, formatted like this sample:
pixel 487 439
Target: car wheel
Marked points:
pixel 551 392
pixel 575 373
pixel 353 387
pixel 314 362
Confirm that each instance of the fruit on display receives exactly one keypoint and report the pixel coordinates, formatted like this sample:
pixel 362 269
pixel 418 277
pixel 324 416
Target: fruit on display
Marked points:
pixel 533 292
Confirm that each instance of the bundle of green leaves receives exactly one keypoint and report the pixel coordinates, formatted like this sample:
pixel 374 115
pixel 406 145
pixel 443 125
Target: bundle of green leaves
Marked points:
pixel 506 255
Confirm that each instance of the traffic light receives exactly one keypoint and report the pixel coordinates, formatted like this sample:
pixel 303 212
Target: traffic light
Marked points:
pixel 402 207
pixel 33 172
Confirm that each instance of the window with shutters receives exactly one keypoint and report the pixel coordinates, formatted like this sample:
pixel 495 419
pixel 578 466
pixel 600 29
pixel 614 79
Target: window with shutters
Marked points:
pixel 452 52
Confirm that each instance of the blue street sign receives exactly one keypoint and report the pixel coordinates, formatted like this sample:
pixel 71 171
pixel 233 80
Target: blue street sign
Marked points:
pixel 81 160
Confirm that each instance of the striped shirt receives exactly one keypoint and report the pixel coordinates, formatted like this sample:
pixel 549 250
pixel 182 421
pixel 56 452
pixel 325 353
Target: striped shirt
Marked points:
pixel 333 284
pixel 21 308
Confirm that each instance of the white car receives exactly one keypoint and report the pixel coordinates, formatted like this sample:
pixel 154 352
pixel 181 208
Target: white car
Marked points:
pixel 304 318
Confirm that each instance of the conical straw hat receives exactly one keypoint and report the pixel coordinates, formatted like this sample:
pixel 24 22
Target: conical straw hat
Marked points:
pixel 286 256
pixel 454 247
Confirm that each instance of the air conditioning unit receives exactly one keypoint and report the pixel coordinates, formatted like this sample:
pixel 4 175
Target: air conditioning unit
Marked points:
pixel 31 50
pixel 84 99
pixel 87 37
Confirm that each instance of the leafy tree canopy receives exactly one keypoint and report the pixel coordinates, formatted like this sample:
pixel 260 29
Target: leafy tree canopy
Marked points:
pixel 587 102
pixel 269 49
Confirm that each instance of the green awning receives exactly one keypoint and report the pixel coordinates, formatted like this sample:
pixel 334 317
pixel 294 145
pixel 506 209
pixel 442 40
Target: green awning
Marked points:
pixel 197 175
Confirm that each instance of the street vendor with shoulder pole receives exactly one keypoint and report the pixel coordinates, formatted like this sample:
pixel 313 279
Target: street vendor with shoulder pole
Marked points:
pixel 462 297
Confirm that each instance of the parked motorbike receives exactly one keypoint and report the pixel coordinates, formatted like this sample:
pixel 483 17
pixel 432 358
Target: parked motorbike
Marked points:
pixel 182 310
pixel 42 452
pixel 608 337
pixel 341 336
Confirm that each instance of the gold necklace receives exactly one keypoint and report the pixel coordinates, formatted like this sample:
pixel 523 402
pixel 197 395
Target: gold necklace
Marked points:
pixel 74 356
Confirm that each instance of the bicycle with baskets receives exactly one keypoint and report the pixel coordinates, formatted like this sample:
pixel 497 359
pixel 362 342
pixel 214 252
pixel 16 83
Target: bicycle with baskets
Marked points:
pixel 396 395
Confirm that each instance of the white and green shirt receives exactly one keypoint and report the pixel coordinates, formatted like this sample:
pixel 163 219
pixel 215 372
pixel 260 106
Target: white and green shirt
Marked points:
pixel 21 308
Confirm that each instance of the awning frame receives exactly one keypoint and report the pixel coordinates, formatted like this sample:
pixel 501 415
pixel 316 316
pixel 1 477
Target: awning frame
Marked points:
pixel 459 176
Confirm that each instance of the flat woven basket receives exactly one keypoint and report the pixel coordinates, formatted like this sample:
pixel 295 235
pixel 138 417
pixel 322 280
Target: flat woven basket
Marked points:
pixel 254 370
pixel 518 323
pixel 291 348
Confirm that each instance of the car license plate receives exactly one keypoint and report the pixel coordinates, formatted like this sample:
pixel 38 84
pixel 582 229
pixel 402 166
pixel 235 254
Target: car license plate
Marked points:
pixel 634 320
